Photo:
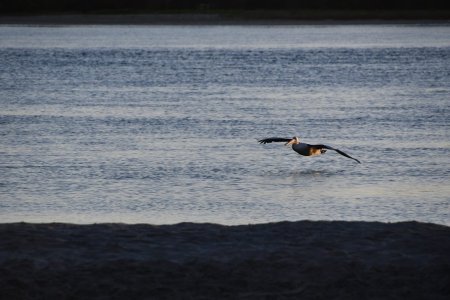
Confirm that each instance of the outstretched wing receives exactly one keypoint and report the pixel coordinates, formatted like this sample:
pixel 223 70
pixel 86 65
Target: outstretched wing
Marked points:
pixel 334 149
pixel 274 139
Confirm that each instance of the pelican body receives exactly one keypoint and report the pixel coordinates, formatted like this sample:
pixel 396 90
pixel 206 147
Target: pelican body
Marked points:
pixel 305 149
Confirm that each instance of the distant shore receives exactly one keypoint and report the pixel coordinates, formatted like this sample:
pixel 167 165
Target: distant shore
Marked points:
pixel 224 19
pixel 286 260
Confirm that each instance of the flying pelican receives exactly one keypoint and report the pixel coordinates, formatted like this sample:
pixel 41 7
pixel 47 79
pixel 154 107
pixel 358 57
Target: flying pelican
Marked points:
pixel 303 148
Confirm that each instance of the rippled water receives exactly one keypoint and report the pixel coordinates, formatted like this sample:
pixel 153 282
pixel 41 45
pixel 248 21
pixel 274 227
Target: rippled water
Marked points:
pixel 159 124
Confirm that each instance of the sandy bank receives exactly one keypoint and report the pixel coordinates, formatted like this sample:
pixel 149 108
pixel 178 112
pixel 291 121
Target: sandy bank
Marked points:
pixel 288 260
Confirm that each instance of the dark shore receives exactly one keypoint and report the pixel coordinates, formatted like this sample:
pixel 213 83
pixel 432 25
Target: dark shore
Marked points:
pixel 287 260
pixel 255 18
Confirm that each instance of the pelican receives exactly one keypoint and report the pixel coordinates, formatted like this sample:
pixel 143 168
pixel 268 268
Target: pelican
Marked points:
pixel 303 148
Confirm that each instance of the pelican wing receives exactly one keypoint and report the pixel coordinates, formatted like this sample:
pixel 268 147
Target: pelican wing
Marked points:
pixel 274 139
pixel 334 149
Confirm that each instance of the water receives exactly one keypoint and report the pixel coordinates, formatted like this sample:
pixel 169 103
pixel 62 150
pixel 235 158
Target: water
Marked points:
pixel 159 124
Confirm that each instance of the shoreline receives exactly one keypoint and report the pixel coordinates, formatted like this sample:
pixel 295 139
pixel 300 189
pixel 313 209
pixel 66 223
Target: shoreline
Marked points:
pixel 285 260
pixel 204 19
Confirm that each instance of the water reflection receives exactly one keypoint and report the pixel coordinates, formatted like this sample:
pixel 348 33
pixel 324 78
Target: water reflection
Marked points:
pixel 163 128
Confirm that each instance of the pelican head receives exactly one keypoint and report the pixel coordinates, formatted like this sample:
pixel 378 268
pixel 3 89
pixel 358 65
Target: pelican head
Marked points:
pixel 295 140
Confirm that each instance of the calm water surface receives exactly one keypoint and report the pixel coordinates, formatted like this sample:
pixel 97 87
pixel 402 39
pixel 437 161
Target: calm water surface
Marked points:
pixel 159 124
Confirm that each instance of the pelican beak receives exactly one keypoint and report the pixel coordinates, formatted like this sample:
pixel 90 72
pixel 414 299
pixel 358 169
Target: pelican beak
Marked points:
pixel 290 142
